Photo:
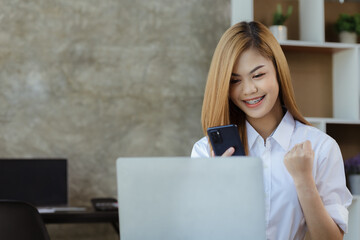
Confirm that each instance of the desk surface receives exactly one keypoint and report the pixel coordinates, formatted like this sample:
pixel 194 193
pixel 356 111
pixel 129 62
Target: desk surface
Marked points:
pixel 81 217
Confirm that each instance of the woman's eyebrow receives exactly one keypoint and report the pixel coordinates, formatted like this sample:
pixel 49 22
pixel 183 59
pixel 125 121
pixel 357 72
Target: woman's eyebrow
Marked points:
pixel 252 71
pixel 256 68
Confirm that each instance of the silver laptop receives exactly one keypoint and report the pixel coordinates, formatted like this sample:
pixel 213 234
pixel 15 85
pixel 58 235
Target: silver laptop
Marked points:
pixel 191 198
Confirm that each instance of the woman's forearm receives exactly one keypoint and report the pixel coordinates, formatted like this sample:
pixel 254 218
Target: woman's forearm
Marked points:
pixel 320 224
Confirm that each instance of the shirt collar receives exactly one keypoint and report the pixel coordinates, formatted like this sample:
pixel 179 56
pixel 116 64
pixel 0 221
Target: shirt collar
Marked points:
pixel 284 131
pixel 281 135
pixel 252 134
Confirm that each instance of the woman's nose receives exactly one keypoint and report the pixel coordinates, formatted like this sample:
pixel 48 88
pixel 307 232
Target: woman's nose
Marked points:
pixel 249 87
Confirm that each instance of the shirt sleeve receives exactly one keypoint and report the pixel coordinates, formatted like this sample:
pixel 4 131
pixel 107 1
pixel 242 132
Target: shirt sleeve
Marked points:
pixel 201 148
pixel 331 183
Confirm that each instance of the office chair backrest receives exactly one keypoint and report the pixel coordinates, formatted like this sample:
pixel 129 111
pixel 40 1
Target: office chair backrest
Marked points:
pixel 20 220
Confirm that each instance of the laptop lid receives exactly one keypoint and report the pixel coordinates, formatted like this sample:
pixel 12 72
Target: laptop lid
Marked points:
pixel 191 198
pixel 41 182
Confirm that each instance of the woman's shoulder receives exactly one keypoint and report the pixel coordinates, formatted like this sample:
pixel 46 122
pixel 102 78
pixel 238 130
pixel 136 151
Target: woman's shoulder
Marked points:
pixel 201 148
pixel 309 129
pixel 315 135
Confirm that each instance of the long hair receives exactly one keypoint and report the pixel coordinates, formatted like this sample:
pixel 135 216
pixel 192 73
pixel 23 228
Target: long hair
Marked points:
pixel 217 107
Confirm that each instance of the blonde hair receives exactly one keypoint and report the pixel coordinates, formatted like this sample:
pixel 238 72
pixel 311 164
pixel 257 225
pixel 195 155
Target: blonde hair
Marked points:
pixel 217 107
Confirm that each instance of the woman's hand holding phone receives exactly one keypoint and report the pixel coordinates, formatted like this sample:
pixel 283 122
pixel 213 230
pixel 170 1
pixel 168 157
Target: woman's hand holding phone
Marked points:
pixel 227 153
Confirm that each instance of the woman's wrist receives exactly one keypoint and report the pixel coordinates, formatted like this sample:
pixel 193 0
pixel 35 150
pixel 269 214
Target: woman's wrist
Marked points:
pixel 305 183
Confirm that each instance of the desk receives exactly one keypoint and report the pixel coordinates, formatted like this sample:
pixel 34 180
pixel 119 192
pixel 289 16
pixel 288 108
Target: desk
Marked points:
pixel 83 217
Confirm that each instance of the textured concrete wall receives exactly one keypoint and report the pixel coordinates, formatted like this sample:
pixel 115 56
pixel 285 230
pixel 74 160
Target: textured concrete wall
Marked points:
pixel 94 80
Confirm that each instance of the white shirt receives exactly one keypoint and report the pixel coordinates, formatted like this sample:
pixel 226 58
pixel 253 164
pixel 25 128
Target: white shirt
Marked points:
pixel 284 216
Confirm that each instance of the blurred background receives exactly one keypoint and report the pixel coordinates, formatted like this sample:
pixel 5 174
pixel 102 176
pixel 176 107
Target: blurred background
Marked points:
pixel 92 81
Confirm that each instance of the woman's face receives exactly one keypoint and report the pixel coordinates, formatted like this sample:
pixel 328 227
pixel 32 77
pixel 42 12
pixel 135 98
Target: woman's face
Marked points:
pixel 254 87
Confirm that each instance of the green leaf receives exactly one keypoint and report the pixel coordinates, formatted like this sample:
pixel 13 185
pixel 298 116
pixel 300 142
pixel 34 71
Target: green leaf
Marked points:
pixel 279 18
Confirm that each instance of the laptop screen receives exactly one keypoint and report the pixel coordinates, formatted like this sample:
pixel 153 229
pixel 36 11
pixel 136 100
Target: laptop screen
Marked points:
pixel 41 182
pixel 191 198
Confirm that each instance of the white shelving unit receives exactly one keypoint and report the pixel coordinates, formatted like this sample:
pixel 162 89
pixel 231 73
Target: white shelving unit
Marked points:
pixel 321 123
pixel 331 46
pixel 345 58
pixel 354 220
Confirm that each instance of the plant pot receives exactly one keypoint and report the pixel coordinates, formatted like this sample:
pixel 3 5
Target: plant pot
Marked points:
pixel 279 32
pixel 348 37
pixel 354 181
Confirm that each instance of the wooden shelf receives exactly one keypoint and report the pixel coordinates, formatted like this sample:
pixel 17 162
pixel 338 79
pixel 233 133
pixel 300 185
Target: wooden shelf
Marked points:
pixel 325 47
pixel 333 120
pixel 323 123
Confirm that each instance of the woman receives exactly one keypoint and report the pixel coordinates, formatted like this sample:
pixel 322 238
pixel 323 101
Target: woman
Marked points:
pixel 249 85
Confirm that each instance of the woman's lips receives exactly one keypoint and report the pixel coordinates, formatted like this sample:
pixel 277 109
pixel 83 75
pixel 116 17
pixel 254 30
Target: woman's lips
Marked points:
pixel 254 102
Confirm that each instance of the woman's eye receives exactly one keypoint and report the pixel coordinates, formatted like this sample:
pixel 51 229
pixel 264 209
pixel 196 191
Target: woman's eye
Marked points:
pixel 259 75
pixel 233 81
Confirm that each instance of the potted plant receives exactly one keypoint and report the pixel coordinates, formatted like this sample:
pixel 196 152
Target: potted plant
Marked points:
pixel 352 170
pixel 278 29
pixel 348 27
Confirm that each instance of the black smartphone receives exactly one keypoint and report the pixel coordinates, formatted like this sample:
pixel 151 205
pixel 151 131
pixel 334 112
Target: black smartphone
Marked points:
pixel 224 137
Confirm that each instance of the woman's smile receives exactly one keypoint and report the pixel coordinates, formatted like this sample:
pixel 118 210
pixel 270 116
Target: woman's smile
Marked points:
pixel 252 103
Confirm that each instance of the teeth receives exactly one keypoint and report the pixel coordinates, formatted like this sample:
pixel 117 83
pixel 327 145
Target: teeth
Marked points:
pixel 254 101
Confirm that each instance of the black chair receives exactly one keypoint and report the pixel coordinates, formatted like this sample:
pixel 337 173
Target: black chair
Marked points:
pixel 20 220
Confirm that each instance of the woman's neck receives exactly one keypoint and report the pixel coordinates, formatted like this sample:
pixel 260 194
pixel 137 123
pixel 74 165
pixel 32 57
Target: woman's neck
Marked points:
pixel 266 125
